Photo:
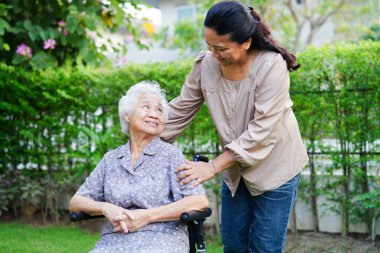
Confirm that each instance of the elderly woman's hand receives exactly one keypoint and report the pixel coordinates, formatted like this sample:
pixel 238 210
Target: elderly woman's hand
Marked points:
pixel 198 171
pixel 134 219
pixel 111 211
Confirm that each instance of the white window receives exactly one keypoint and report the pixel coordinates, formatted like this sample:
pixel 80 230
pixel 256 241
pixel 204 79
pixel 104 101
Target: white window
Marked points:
pixel 188 11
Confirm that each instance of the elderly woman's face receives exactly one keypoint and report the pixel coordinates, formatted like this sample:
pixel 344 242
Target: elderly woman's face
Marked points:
pixel 147 117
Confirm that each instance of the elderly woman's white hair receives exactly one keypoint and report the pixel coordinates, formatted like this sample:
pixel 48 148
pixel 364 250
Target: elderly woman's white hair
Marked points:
pixel 128 102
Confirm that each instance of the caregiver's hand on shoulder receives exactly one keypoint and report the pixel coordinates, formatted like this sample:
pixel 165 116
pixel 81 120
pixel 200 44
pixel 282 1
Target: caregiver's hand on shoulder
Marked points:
pixel 197 171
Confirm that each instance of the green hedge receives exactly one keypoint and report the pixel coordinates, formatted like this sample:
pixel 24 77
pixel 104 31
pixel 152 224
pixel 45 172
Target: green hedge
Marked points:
pixel 56 124
pixel 336 96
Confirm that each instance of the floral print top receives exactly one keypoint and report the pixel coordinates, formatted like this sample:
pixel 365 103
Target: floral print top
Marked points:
pixel 150 183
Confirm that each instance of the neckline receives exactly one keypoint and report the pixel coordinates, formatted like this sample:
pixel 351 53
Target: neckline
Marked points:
pixel 236 82
pixel 249 70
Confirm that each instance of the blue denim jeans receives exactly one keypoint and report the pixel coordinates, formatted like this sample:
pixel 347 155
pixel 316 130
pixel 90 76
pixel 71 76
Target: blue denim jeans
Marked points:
pixel 257 224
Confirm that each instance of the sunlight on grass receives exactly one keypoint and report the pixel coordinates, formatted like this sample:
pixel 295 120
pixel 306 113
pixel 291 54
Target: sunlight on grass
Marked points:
pixel 21 238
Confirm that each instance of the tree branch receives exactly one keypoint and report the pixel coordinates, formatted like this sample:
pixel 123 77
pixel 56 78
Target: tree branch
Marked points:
pixel 292 11
pixel 321 20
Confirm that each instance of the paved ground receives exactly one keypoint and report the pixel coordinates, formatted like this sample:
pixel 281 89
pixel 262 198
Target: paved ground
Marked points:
pixel 305 242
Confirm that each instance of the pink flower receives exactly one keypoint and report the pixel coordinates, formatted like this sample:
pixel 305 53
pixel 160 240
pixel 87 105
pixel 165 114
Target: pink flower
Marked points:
pixel 61 27
pixel 61 23
pixel 49 44
pixel 24 50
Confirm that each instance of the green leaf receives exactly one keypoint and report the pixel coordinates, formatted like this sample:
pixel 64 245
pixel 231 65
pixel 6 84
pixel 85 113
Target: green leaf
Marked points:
pixel 42 33
pixel 43 60
pixel 6 47
pixel 3 26
pixel 17 59
pixel 64 94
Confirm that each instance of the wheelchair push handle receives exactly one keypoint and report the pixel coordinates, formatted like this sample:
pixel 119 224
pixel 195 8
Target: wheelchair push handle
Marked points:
pixel 200 158
pixel 195 215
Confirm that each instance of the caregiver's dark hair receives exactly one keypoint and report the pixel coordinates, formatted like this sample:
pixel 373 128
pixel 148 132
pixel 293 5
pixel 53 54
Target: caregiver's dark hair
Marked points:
pixel 241 23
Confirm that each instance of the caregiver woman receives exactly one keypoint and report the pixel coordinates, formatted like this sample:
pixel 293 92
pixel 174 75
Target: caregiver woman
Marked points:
pixel 244 80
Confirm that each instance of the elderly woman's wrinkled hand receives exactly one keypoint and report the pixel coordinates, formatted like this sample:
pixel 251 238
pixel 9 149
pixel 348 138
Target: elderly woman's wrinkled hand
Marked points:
pixel 133 219
pixel 111 211
pixel 195 171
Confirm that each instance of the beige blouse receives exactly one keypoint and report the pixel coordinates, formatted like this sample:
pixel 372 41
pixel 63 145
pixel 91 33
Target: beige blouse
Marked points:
pixel 253 118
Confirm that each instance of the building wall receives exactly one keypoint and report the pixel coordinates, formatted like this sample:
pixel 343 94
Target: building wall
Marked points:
pixel 169 10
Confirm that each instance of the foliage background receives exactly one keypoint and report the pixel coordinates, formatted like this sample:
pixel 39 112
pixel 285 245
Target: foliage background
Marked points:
pixel 57 124
pixel 295 23
pixel 78 28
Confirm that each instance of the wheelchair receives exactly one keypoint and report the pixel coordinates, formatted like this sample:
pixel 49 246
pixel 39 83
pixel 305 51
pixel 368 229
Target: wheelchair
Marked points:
pixel 194 220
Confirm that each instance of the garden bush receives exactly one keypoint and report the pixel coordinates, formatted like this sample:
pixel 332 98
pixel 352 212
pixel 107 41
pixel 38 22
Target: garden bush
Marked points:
pixel 56 125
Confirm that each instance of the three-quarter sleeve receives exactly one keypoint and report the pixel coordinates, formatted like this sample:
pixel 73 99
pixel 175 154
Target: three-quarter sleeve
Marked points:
pixel 271 100
pixel 186 105
pixel 93 187
pixel 180 191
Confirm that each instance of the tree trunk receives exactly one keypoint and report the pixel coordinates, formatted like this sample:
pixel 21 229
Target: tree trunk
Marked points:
pixel 346 190
pixel 313 189
pixel 363 165
pixel 373 230
pixel 294 219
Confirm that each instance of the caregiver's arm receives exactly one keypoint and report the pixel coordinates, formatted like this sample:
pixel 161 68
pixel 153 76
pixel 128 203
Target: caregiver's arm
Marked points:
pixel 184 107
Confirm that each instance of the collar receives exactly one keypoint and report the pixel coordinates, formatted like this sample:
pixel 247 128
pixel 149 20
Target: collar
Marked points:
pixel 151 149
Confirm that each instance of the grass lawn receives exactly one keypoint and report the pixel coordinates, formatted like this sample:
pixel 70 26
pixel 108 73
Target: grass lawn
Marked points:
pixel 22 238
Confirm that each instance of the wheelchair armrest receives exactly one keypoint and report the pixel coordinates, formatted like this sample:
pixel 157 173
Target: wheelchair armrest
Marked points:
pixel 196 215
pixel 185 217
pixel 79 216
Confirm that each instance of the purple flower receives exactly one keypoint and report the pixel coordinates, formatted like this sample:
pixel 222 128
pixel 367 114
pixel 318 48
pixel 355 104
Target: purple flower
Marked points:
pixel 62 27
pixel 49 44
pixel 24 50
pixel 61 23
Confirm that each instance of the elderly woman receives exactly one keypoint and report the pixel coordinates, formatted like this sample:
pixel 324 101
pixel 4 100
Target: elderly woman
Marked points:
pixel 134 186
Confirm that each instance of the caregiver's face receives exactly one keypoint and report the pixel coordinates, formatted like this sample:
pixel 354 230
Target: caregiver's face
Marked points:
pixel 225 51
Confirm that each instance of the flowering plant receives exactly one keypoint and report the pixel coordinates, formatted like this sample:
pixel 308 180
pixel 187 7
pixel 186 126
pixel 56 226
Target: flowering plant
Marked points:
pixel 64 32
pixel 50 44
pixel 24 51
pixel 62 28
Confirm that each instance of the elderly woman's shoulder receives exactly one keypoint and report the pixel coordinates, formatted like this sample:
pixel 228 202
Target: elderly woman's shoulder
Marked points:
pixel 170 151
pixel 116 152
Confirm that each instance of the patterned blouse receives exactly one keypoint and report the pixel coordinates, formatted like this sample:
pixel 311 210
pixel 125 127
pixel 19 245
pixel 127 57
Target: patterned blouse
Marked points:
pixel 150 183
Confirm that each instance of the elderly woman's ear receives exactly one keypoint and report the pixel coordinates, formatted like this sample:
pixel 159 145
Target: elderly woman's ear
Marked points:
pixel 126 118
